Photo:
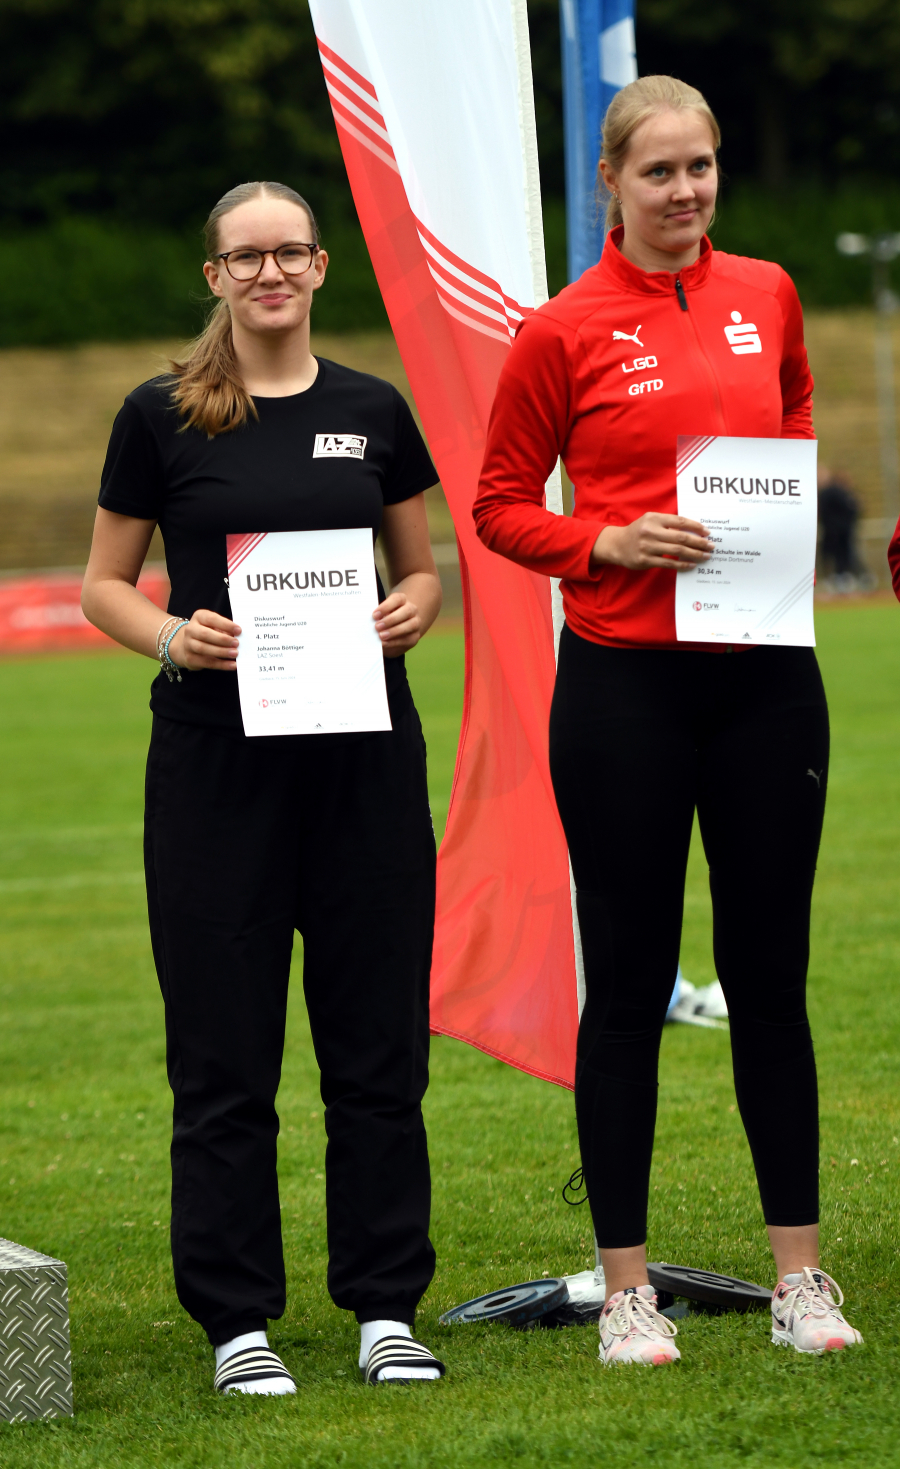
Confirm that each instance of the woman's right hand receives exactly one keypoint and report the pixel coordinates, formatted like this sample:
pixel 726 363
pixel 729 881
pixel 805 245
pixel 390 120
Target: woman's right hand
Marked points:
pixel 208 641
pixel 669 541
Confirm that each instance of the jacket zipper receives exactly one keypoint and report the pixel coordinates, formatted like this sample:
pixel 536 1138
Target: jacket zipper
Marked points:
pixel 682 301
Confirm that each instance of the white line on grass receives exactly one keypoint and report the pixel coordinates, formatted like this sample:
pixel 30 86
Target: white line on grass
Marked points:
pixel 56 834
pixel 70 880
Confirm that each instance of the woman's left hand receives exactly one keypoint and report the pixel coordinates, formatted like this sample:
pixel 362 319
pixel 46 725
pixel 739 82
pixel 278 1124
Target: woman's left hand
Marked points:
pixel 398 623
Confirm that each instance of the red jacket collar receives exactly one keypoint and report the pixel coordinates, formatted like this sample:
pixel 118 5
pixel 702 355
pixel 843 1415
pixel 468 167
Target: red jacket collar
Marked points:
pixel 631 278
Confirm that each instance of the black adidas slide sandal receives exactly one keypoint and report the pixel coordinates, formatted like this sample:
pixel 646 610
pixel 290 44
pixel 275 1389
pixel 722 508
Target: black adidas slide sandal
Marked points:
pixel 399 1351
pixel 253 1364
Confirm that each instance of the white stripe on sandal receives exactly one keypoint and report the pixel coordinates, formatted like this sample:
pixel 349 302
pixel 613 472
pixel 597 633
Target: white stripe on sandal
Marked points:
pixel 399 1351
pixel 254 1364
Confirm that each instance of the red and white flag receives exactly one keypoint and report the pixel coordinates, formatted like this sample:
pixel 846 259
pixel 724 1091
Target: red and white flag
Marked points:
pixel 434 109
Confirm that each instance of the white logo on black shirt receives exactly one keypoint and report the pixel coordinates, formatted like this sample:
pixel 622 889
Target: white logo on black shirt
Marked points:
pixel 340 446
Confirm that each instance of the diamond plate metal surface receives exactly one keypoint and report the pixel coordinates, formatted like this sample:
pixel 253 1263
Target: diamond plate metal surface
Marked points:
pixel 35 1358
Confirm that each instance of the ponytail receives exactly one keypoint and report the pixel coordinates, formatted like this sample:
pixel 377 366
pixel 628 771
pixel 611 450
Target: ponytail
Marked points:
pixel 209 392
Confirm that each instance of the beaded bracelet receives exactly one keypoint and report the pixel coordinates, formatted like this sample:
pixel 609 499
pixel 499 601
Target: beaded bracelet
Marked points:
pixel 162 632
pixel 164 638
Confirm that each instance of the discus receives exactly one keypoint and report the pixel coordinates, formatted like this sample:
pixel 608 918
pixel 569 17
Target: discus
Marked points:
pixel 517 1305
pixel 707 1288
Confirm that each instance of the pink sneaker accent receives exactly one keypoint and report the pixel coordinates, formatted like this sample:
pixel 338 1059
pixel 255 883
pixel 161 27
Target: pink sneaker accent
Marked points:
pixel 632 1330
pixel 806 1314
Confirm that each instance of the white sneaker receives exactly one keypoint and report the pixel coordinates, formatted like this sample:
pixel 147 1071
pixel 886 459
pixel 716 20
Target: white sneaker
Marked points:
pixel 705 1006
pixel 632 1330
pixel 710 1001
pixel 805 1314
pixel 587 1289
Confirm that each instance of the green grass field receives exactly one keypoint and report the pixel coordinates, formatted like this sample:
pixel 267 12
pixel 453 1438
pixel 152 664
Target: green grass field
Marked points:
pixel 84 1119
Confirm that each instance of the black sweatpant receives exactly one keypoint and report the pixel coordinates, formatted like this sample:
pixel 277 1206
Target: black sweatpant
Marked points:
pixel 246 840
pixel 638 739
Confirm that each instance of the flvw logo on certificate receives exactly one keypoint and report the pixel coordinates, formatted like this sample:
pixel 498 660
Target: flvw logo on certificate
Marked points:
pixel 757 499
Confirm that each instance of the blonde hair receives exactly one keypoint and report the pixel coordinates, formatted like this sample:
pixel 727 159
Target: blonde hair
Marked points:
pixel 633 105
pixel 208 390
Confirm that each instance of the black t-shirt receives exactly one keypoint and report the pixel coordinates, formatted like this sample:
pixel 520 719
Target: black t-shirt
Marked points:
pixel 327 459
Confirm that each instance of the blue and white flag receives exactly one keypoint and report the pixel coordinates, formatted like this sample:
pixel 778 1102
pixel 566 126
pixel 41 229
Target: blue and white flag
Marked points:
pixel 598 58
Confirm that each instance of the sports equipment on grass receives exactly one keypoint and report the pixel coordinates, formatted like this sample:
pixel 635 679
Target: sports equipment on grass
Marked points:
pixel 576 1300
pixel 806 1314
pixel 399 1353
pixel 632 1330
pixel 585 1299
pixel 706 1288
pixel 35 1358
pixel 516 1305
pixel 566 1300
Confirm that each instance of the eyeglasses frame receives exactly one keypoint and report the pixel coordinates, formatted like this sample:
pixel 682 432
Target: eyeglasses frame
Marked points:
pixel 312 248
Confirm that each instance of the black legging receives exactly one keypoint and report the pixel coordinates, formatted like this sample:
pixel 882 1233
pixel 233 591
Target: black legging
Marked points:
pixel 638 738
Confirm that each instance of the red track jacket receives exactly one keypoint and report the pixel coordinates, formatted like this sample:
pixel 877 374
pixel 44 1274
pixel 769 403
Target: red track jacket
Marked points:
pixel 608 374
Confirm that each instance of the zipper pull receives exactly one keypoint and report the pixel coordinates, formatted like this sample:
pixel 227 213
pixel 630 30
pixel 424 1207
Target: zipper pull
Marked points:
pixel 679 290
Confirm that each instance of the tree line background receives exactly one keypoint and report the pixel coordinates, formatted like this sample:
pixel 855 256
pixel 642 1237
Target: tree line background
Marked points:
pixel 124 120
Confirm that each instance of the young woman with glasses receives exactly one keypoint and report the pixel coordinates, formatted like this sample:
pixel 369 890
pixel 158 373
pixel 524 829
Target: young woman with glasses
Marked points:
pixel 248 839
pixel 645 730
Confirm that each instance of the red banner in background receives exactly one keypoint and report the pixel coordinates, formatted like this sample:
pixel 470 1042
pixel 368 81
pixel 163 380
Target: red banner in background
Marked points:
pixel 41 613
pixel 433 107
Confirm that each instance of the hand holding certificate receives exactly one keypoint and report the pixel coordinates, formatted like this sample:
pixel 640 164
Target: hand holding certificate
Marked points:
pixel 757 500
pixel 310 659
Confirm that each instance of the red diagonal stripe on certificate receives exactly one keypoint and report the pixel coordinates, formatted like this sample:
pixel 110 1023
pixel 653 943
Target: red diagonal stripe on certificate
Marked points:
pixel 689 446
pixel 238 548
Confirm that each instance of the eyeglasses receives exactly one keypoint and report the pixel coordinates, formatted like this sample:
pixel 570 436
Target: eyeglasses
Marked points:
pixel 245 265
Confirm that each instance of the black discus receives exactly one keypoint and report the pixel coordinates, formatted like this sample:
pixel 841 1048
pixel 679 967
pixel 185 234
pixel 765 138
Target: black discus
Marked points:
pixel 708 1288
pixel 518 1305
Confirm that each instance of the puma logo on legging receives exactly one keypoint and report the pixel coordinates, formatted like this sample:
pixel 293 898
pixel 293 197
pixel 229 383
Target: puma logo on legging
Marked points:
pixel 817 778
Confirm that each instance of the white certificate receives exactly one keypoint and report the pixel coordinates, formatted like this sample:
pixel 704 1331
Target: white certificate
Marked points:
pixel 757 499
pixel 310 660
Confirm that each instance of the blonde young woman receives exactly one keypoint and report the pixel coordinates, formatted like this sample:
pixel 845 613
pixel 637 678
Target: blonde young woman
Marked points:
pixel 644 730
pixel 249 839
